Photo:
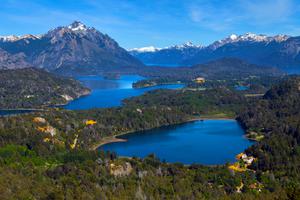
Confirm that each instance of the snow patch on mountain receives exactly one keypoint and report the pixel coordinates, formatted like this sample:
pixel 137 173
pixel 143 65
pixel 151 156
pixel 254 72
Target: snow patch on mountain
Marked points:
pixel 154 49
pixel 233 38
pixel 77 26
pixel 185 46
pixel 13 38
pixel 145 49
pixel 248 37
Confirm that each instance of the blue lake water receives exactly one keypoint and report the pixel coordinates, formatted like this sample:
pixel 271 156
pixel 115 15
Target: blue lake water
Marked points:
pixel 292 71
pixel 203 142
pixel 110 93
pixel 164 65
pixel 13 112
pixel 241 87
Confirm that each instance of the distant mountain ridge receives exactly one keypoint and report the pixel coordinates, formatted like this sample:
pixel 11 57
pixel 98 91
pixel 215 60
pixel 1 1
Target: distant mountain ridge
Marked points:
pixel 172 55
pixel 75 47
pixel 279 51
pixel 219 69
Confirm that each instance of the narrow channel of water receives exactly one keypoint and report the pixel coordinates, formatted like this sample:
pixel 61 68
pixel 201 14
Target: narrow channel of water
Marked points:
pixel 110 93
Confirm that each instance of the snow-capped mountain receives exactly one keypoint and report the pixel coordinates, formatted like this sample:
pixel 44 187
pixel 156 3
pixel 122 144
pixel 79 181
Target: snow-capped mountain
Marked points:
pixel 167 55
pixel 74 47
pixel 248 37
pixel 279 50
pixel 186 45
pixel 145 49
pixel 155 49
pixel 13 38
pixel 78 27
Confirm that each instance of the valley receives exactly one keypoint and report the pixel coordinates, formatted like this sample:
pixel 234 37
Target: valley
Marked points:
pixel 82 118
pixel 57 144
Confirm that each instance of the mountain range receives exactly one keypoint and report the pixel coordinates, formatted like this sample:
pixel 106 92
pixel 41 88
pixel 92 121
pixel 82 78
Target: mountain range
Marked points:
pixel 279 51
pixel 75 47
pixel 219 69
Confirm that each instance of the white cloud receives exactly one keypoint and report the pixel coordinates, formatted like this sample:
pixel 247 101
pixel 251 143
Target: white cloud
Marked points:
pixel 225 15
pixel 212 17
pixel 268 11
pixel 196 15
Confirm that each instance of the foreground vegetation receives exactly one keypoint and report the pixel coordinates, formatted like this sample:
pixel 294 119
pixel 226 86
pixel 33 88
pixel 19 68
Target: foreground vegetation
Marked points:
pixel 47 155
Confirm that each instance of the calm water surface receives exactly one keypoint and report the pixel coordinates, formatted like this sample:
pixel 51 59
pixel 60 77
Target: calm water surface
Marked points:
pixel 204 142
pixel 164 65
pixel 13 112
pixel 110 93
pixel 292 71
pixel 241 87
pixel 105 93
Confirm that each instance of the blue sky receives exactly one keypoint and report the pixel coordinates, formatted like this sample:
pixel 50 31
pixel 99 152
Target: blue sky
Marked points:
pixel 137 23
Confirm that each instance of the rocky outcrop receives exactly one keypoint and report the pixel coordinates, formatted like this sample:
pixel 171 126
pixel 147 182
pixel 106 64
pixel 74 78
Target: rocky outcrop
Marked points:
pixel 120 169
pixel 16 61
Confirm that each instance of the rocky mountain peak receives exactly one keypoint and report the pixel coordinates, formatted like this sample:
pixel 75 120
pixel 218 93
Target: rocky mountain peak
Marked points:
pixel 77 26
pixel 71 47
pixel 188 44
pixel 148 49
pixel 248 37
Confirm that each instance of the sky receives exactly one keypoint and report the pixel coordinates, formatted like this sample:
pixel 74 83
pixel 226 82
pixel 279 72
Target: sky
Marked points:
pixel 160 23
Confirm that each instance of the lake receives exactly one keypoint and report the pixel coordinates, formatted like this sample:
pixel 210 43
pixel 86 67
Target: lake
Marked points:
pixel 105 93
pixel 164 65
pixel 110 93
pixel 204 142
pixel 241 87
pixel 13 112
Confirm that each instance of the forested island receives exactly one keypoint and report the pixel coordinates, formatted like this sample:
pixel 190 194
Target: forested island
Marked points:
pixel 51 154
pixel 226 72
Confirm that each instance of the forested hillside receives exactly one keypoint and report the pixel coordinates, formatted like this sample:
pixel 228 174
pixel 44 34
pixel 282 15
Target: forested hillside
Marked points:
pixel 34 88
pixel 48 155
pixel 277 118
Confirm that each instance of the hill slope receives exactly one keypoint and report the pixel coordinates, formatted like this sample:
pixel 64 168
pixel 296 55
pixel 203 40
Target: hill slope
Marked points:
pixel 8 61
pixel 31 88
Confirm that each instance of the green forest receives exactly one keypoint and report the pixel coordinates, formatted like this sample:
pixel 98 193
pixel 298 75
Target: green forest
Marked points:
pixel 51 154
pixel 35 88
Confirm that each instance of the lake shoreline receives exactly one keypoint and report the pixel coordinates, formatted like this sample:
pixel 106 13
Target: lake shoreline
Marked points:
pixel 114 138
pixel 43 108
